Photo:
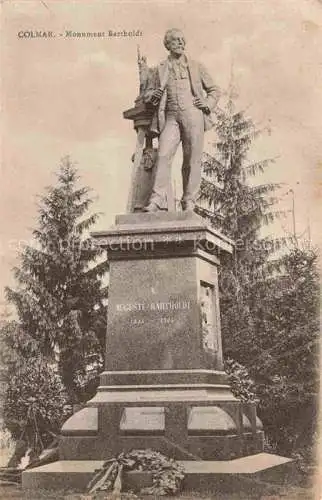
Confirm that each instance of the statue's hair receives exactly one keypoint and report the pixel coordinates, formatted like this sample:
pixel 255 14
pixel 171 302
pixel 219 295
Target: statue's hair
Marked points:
pixel 168 35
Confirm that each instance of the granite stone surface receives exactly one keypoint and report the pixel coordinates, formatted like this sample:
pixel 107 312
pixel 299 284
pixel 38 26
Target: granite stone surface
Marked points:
pixel 219 476
pixel 154 316
pixel 159 266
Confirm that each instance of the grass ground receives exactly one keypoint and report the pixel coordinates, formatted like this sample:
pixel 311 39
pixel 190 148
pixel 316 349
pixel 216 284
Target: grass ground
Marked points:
pixel 292 491
pixel 289 492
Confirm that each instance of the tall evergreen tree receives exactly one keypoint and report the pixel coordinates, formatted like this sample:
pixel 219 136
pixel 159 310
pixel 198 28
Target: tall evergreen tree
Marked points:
pixel 60 299
pixel 268 306
pixel 238 209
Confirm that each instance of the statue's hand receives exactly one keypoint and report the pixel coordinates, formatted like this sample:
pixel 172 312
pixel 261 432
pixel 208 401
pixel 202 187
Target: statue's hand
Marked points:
pixel 156 96
pixel 201 105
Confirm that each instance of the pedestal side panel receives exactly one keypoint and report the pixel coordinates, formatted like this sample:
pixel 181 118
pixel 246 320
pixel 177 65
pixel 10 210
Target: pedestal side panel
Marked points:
pixel 153 315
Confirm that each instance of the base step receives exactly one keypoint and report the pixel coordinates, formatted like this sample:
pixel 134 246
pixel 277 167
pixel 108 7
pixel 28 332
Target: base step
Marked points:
pixel 246 472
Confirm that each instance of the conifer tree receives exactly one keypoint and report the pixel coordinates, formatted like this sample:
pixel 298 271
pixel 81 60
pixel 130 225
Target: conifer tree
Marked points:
pixel 268 304
pixel 59 297
pixel 238 209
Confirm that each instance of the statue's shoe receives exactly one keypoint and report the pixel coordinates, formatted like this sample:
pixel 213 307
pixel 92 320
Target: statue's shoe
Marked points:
pixel 151 207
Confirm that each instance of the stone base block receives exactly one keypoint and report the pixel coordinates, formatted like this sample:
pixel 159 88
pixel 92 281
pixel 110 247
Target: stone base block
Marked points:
pixel 196 447
pixel 199 421
pixel 61 475
pixel 246 473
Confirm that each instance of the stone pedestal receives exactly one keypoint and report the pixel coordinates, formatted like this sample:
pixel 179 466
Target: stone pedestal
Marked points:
pixel 163 386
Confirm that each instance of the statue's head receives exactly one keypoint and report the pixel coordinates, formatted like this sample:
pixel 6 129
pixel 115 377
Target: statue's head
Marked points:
pixel 174 41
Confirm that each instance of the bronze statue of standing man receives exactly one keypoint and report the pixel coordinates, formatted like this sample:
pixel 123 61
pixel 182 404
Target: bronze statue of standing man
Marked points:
pixel 183 95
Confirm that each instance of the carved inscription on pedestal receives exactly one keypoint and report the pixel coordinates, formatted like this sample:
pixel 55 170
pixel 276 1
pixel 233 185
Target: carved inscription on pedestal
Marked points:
pixel 163 312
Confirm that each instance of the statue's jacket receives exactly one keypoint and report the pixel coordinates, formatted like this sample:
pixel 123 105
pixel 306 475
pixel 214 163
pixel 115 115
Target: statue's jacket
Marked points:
pixel 202 86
